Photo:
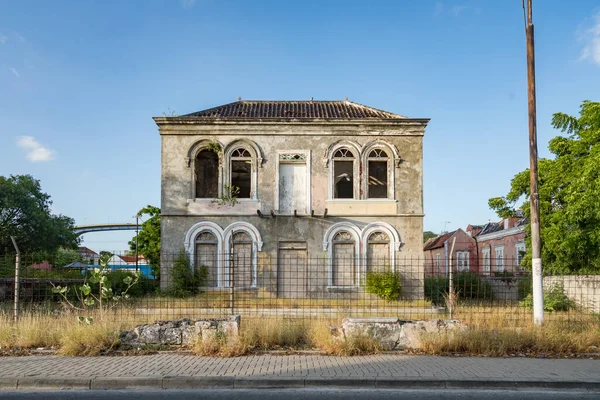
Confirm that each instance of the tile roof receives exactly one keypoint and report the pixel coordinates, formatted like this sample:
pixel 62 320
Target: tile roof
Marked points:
pixel 437 241
pixel 86 250
pixel 294 109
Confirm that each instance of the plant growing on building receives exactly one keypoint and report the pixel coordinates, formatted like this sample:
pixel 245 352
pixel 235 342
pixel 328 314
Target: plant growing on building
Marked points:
pixel 386 285
pixel 229 196
pixel 96 292
pixel 214 146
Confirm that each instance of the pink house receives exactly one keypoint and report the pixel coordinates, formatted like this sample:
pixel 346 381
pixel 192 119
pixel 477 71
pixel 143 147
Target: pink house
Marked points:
pixel 437 253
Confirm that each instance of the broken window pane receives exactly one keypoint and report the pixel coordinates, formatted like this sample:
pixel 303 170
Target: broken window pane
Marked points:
pixel 241 177
pixel 207 174
pixel 378 184
pixel 343 185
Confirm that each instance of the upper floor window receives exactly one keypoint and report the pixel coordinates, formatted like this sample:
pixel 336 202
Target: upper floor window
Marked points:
pixel 206 168
pixel 499 250
pixel 462 261
pixel 241 172
pixel 486 260
pixel 377 172
pixel 520 252
pixel 343 174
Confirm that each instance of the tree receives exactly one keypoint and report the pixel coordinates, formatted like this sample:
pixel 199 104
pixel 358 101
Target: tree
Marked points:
pixel 428 235
pixel 25 214
pixel 148 238
pixel 569 189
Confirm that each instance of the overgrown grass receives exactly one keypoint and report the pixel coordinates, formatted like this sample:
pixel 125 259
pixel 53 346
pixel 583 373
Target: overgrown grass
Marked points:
pixel 554 338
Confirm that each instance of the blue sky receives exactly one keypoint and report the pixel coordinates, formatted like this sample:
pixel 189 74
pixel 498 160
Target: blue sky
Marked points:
pixel 80 81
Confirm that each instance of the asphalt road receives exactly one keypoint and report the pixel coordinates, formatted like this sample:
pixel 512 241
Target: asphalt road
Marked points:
pixel 295 394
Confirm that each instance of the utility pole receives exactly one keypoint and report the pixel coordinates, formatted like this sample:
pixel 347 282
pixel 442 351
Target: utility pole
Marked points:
pixel 137 226
pixel 536 262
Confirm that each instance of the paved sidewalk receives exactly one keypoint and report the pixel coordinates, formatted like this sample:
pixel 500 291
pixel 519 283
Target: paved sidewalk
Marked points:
pixel 182 371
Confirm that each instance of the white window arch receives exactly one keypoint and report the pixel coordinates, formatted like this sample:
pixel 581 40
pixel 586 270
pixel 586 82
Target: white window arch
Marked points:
pixel 205 164
pixel 393 237
pixel 378 160
pixel 242 244
pixel 342 243
pixel 198 235
pixel 343 161
pixel 243 158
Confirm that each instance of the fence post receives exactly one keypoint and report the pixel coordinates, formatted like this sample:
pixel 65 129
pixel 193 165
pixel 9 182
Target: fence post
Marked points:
pixel 232 283
pixel 17 274
pixel 451 296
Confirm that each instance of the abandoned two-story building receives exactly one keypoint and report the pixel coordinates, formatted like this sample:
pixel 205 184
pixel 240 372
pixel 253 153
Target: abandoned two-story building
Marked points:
pixel 299 198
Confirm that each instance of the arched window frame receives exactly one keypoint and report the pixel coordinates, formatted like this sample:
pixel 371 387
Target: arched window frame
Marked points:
pixel 256 247
pixel 393 161
pixel 392 234
pixel 190 244
pixel 328 246
pixel 257 160
pixel 329 163
pixel 190 161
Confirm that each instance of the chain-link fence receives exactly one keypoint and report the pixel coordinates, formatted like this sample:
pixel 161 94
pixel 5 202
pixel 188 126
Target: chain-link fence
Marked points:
pixel 288 284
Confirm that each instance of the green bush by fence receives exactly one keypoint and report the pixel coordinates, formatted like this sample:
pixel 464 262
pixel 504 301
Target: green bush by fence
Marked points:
pixel 468 286
pixel 386 285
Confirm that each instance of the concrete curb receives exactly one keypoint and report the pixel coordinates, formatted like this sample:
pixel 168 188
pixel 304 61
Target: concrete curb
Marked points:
pixel 225 382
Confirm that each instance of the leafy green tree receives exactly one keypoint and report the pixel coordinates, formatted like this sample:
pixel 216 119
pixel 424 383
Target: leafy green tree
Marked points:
pixel 428 235
pixel 148 238
pixel 569 189
pixel 25 214
pixel 64 257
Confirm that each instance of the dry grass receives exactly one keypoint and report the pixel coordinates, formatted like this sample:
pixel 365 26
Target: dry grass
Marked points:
pixel 554 338
pixel 321 338
pixel 89 340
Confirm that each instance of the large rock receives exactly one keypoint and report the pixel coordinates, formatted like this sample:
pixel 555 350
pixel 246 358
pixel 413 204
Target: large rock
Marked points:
pixel 180 332
pixel 392 333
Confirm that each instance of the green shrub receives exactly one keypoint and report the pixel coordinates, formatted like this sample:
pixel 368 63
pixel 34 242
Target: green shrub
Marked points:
pixel 435 289
pixel 524 287
pixel 471 286
pixel 143 286
pixel 186 279
pixel 386 285
pixel 555 299
pixel 468 285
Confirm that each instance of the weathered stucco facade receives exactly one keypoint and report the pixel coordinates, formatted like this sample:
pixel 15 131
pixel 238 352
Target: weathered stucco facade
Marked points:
pixel 317 179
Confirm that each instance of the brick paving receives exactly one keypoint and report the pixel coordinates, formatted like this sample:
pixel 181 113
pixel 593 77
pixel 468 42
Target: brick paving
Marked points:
pixel 384 366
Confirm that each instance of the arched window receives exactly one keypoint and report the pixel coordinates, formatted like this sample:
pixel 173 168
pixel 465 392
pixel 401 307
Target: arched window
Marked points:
pixel 344 259
pixel 206 168
pixel 240 174
pixel 378 252
pixel 343 174
pixel 377 173
pixel 207 256
pixel 240 268
pixel 243 241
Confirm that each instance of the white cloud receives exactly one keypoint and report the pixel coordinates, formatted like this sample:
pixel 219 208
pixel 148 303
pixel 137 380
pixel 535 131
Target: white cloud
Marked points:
pixel 188 3
pixel 439 8
pixel 15 72
pixel 3 39
pixel 591 41
pixel 35 151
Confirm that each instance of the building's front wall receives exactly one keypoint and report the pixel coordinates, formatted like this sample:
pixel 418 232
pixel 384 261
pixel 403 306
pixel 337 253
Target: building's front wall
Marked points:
pixel 402 210
pixel 502 250
pixel 464 259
